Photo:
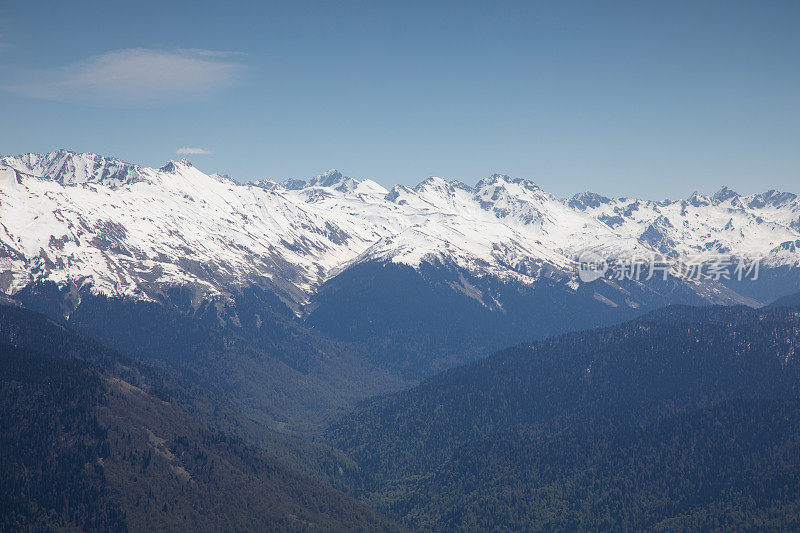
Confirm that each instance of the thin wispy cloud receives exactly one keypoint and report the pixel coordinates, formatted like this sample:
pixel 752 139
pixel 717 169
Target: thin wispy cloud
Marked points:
pixel 136 77
pixel 186 150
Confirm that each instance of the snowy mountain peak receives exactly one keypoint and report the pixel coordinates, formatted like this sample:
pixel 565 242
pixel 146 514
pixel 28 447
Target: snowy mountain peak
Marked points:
pixel 292 184
pixel 723 195
pixel 370 187
pixel 514 199
pixel 71 168
pixel 329 178
pixel 499 184
pixel 434 183
pixel 772 198
pixel 176 166
pixel 332 179
pixel 493 180
pixel 698 200
pixel 583 200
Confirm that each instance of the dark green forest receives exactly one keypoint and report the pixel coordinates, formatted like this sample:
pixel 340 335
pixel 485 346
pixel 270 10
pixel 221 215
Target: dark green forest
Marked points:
pixel 684 419
pixel 687 418
pixel 86 449
pixel 53 445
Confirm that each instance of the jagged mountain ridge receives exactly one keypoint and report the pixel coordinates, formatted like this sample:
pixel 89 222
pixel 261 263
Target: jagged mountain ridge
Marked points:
pixel 69 168
pixel 726 222
pixel 120 229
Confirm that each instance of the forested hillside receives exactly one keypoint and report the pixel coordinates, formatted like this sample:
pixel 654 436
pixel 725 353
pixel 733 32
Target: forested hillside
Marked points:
pixel 687 418
pixel 251 356
pixel 84 448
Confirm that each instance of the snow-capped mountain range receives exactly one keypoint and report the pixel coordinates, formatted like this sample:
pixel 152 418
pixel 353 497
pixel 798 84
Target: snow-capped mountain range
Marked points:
pixel 117 228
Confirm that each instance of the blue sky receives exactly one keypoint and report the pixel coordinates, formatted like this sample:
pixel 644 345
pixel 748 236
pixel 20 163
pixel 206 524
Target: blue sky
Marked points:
pixel 655 99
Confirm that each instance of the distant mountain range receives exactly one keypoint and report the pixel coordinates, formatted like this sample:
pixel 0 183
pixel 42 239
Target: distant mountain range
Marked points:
pixel 418 279
pixel 123 229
